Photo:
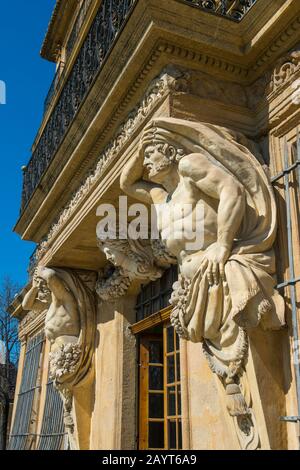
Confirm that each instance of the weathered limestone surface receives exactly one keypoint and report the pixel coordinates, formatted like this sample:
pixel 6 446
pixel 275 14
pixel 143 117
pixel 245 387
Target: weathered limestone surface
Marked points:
pixel 115 389
pixel 206 424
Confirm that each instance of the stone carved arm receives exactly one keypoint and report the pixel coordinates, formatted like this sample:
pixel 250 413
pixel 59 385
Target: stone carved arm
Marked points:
pixel 133 184
pixel 55 284
pixel 218 184
pixel 33 300
pixel 30 301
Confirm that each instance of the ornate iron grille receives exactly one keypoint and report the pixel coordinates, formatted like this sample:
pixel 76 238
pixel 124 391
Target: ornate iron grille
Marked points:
pixel 233 9
pixel 287 189
pixel 59 74
pixel 156 295
pixel 77 26
pixel 108 22
pixel 54 85
pixel 20 438
pixel 53 430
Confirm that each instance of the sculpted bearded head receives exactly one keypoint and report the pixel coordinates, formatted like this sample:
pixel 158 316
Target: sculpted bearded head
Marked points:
pixel 43 293
pixel 158 158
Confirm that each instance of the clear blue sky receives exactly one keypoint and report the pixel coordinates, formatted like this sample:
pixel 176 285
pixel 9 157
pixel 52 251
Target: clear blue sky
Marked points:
pixel 23 25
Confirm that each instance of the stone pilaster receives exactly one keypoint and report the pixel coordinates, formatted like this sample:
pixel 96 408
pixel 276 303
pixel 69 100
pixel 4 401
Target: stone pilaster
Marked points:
pixel 114 416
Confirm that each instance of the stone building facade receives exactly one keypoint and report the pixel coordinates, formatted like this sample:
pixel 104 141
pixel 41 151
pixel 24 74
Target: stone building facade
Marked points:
pixel 172 102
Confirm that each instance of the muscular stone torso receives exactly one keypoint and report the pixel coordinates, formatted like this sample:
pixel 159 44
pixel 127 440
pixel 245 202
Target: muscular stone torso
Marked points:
pixel 61 320
pixel 188 193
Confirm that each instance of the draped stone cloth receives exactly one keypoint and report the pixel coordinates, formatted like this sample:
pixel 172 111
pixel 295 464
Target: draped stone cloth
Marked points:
pixel 71 363
pixel 219 314
pixel 84 348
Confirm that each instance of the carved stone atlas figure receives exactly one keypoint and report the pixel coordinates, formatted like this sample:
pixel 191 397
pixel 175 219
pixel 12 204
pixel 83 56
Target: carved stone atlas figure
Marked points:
pixel 227 286
pixel 70 325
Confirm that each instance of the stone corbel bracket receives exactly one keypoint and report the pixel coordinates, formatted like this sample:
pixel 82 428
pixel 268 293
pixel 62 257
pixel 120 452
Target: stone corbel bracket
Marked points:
pixel 130 260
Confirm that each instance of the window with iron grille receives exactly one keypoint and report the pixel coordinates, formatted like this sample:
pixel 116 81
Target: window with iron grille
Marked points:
pixel 156 295
pixel 21 438
pixel 53 430
pixel 287 190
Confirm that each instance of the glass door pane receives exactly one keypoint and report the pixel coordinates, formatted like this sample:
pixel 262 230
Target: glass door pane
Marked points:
pixel 152 412
pixel 173 432
pixel 160 395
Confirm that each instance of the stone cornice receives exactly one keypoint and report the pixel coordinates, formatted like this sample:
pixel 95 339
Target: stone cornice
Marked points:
pixel 285 40
pixel 280 87
pixel 58 27
pixel 286 71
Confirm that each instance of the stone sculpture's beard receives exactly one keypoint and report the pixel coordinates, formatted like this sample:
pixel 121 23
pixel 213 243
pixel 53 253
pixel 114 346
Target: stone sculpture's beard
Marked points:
pixel 158 168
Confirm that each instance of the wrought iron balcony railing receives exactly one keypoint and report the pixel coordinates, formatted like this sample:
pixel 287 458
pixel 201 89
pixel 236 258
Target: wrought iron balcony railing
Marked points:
pixel 106 25
pixel 77 27
pixel 59 75
pixel 233 9
pixel 108 22
pixel 54 85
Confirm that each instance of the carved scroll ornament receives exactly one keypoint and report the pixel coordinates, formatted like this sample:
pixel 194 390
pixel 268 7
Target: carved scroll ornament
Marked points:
pixel 285 69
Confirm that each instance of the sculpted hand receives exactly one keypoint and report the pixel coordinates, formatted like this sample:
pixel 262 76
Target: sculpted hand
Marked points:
pixel 214 261
pixel 38 275
pixel 35 278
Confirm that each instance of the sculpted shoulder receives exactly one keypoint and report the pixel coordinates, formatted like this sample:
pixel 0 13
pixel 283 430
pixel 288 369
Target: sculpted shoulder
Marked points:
pixel 194 162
